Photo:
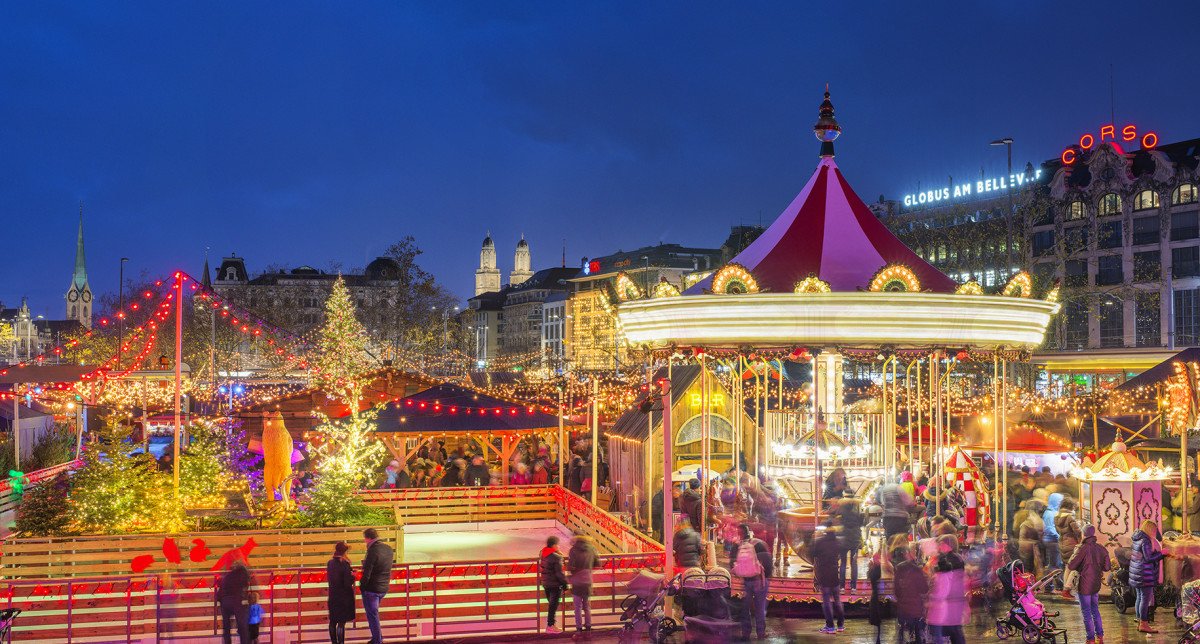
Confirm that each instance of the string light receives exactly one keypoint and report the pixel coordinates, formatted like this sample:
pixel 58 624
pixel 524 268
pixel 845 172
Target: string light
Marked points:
pixel 733 279
pixel 626 289
pixel 1020 284
pixel 813 284
pixel 971 287
pixel 895 277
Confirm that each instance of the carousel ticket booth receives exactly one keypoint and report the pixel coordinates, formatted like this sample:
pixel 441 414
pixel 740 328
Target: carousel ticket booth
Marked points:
pixel 1119 492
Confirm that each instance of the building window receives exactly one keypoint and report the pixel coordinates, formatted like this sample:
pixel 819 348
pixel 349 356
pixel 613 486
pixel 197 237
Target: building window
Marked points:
pixel 1145 231
pixel 1145 200
pixel 1184 225
pixel 1185 193
pixel 1109 270
pixel 1074 211
pixel 1043 243
pixel 1187 326
pixel 1075 323
pixel 1074 240
pixel 1041 217
pixel 1149 328
pixel 1108 235
pixel 1112 323
pixel 1075 273
pixel 1185 262
pixel 1147 266
pixel 1110 204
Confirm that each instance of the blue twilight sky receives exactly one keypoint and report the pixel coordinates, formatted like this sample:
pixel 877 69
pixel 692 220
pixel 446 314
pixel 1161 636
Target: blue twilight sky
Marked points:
pixel 319 132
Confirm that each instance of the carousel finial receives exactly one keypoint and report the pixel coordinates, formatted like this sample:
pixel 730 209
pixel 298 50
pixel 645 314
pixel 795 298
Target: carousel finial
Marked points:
pixel 827 128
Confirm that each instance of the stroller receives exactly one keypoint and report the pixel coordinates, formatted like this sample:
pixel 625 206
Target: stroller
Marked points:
pixel 705 601
pixel 8 617
pixel 1118 581
pixel 1027 615
pixel 642 611
pixel 1189 611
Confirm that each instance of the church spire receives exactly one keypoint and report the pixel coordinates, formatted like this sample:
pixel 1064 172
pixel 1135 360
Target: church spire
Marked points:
pixel 80 279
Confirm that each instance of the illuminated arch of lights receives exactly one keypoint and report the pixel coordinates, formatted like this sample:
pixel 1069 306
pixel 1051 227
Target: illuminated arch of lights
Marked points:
pixel 1052 296
pixel 665 289
pixel 626 289
pixel 734 279
pixel 1020 285
pixel 969 288
pixel 813 284
pixel 895 277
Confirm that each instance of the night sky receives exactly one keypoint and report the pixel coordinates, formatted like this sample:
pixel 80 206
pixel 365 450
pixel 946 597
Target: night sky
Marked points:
pixel 310 133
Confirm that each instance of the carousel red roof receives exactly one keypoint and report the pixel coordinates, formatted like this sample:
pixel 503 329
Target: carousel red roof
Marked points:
pixel 829 232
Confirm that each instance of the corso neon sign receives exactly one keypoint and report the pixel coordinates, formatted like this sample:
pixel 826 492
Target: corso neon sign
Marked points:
pixel 1109 133
pixel 959 191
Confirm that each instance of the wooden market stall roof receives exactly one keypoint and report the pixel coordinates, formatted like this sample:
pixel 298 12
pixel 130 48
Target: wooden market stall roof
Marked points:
pixel 298 408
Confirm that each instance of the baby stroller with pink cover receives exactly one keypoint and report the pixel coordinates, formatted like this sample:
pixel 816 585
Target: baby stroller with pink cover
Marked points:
pixel 1027 616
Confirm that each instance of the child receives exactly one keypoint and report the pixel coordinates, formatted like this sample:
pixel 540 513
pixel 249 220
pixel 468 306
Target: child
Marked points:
pixel 255 617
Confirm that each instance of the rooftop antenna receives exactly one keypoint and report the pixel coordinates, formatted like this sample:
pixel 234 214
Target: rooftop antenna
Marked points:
pixel 1112 100
pixel 564 252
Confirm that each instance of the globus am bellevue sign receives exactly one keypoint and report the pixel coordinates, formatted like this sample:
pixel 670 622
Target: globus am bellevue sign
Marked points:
pixel 1108 133
pixel 967 189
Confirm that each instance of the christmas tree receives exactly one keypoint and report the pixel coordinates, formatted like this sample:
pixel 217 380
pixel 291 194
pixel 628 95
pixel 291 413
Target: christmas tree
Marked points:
pixel 44 511
pixel 118 491
pixel 348 453
pixel 216 460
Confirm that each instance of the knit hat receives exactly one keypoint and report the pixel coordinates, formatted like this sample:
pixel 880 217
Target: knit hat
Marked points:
pixel 1089 531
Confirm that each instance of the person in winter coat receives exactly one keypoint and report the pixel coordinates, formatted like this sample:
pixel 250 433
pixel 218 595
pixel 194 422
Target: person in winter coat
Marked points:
pixel 541 475
pixel 581 560
pixel 575 475
pixel 825 552
pixel 231 591
pixel 375 579
pixel 1091 561
pixel 875 605
pixel 850 518
pixel 1070 534
pixel 452 475
pixel 1050 555
pixel 340 603
pixel 910 586
pixel 553 580
pixel 656 514
pixel 756 586
pixel 1144 571
pixel 896 502
pixel 520 475
pixel 949 608
pixel 690 503
pixel 1029 538
pixel 477 473
pixel 687 548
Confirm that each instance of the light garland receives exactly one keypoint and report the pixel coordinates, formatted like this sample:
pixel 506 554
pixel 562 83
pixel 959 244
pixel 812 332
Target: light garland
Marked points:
pixel 626 289
pixel 1020 283
pixel 895 277
pixel 665 289
pixel 812 284
pixel 734 279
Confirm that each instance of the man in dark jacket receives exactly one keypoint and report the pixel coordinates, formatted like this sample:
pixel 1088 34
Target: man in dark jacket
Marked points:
pixel 756 587
pixel 825 552
pixel 575 475
pixel 687 548
pixel 656 514
pixel 1091 562
pixel 376 575
pixel 849 513
pixel 231 591
pixel 553 579
pixel 477 472
pixel 690 503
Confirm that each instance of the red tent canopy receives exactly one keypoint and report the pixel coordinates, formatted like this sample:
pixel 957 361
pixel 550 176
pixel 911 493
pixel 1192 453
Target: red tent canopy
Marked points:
pixel 1027 438
pixel 924 435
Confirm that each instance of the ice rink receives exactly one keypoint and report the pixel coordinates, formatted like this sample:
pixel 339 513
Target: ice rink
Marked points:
pixel 481 541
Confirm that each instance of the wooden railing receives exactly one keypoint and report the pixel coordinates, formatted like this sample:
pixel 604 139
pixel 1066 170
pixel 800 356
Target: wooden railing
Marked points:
pixel 113 555
pixel 9 500
pixel 426 601
pixel 466 504
pixel 611 534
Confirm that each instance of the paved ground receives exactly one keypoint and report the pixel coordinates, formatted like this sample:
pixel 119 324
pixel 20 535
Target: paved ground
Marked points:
pixel 799 624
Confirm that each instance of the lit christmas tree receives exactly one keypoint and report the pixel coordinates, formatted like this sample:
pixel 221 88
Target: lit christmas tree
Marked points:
pixel 216 460
pixel 348 453
pixel 116 491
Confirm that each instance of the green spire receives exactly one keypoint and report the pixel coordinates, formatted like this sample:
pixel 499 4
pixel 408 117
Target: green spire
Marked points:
pixel 80 279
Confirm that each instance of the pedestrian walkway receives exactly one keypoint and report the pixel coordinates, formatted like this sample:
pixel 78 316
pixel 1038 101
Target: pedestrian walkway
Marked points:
pixel 798 625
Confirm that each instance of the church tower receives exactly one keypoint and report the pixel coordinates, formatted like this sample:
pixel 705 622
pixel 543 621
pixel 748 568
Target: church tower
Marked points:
pixel 79 296
pixel 521 263
pixel 487 278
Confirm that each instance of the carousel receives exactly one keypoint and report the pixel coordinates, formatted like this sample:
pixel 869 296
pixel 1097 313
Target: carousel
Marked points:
pixel 827 282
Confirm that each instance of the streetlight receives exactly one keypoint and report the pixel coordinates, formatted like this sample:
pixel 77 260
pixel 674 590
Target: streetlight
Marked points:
pixel 1007 143
pixel 121 310
pixel 29 338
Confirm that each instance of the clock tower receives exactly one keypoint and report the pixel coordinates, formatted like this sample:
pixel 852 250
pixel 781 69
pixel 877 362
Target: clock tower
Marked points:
pixel 79 296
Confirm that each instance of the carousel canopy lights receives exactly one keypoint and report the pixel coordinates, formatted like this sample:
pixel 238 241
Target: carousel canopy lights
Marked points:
pixel 626 289
pixel 1121 465
pixel 665 289
pixel 1020 285
pixel 970 288
pixel 733 279
pixel 812 284
pixel 893 278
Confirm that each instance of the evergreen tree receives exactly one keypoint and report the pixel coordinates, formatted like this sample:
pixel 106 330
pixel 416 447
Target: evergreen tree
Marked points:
pixel 343 350
pixel 44 511
pixel 216 460
pixel 116 491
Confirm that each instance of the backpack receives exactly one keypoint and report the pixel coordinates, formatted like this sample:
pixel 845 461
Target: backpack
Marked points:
pixel 747 564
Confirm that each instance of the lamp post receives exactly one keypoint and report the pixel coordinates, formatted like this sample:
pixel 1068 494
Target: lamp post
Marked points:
pixel 121 310
pixel 1007 143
